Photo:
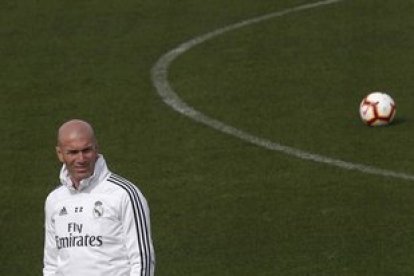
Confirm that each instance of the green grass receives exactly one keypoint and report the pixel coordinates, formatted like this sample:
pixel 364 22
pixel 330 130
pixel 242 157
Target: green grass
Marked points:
pixel 219 205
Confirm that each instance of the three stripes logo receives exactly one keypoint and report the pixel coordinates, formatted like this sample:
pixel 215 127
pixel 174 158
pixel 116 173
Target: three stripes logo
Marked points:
pixel 63 211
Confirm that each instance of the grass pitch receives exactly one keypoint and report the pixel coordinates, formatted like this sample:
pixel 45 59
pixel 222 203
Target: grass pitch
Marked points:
pixel 219 205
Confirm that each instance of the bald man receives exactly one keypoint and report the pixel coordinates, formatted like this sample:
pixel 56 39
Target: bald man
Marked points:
pixel 96 222
pixel 77 149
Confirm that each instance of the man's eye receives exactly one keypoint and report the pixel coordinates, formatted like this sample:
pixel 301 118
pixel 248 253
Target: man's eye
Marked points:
pixel 84 151
pixel 87 150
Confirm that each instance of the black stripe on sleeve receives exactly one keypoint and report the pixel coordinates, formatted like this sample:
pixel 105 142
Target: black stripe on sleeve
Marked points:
pixel 140 221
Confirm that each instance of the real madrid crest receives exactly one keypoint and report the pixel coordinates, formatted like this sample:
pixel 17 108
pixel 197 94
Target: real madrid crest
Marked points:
pixel 98 209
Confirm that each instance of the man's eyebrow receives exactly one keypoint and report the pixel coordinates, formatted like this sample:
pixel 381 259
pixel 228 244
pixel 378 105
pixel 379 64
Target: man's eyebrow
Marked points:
pixel 88 148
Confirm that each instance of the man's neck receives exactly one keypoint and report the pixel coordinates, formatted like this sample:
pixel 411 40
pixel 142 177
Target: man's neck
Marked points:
pixel 75 183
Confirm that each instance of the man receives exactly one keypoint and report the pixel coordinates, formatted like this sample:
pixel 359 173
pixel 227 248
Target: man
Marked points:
pixel 96 222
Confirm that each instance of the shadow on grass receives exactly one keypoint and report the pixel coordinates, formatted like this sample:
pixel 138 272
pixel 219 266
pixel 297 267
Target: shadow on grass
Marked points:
pixel 398 121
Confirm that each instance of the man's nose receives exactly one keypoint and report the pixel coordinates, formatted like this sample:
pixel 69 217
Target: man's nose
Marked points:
pixel 80 157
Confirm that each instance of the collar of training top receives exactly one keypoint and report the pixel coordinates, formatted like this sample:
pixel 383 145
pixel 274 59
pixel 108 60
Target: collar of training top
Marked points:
pixel 99 173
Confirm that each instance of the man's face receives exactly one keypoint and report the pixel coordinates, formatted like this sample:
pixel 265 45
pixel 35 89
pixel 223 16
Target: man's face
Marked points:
pixel 79 153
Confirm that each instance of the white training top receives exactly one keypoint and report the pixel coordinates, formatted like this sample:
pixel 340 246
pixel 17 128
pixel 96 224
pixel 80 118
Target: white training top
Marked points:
pixel 103 228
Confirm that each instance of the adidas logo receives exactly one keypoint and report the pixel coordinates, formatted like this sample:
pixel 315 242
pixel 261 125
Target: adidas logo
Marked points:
pixel 63 212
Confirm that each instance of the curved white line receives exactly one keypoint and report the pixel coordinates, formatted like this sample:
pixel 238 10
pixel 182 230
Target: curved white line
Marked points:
pixel 159 75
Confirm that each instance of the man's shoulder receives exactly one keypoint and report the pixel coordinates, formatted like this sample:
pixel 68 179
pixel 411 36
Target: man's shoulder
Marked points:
pixel 57 190
pixel 121 184
pixel 57 194
pixel 126 190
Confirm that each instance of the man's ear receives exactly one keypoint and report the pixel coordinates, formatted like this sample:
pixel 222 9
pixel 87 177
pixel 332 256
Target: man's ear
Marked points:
pixel 59 154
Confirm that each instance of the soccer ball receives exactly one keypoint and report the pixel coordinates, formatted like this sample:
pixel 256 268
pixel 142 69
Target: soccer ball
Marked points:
pixel 377 109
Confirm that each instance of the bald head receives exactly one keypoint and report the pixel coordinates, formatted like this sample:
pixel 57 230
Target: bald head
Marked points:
pixel 75 129
pixel 77 149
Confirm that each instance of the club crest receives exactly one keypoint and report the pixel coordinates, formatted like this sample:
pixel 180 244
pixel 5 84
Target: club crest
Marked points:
pixel 98 209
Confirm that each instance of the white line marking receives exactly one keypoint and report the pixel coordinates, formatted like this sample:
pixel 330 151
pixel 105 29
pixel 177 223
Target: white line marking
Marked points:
pixel 159 75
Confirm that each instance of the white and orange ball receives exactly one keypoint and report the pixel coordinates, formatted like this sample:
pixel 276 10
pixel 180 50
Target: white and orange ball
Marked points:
pixel 377 109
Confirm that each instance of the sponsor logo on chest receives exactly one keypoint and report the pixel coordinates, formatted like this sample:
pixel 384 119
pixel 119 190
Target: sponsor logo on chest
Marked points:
pixel 73 232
